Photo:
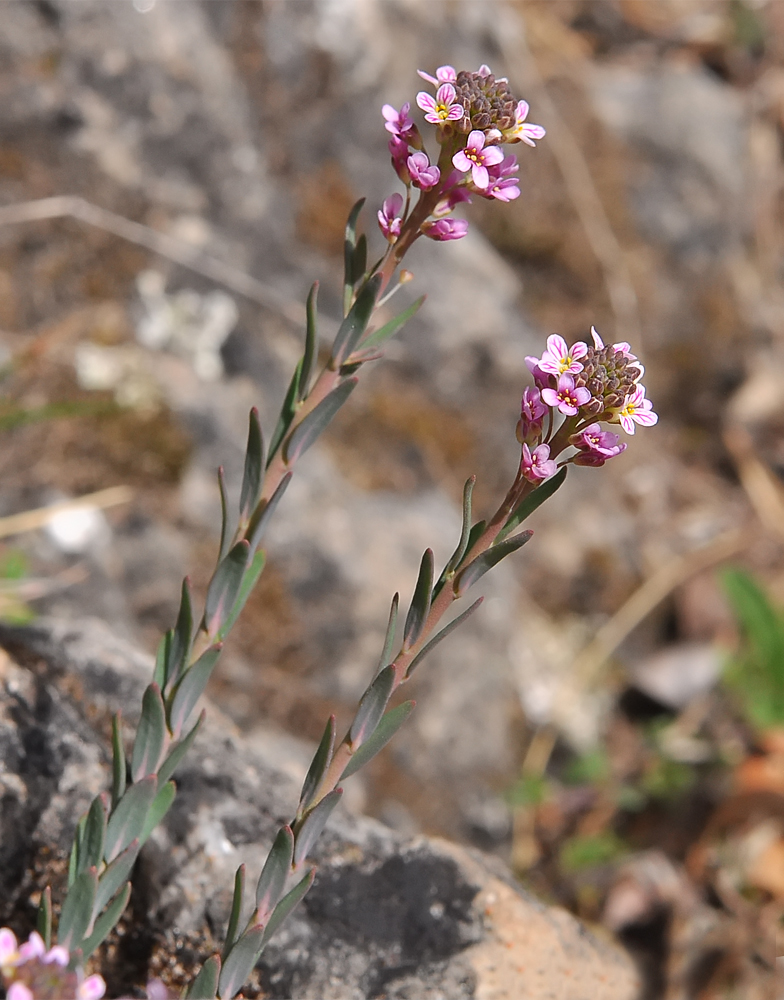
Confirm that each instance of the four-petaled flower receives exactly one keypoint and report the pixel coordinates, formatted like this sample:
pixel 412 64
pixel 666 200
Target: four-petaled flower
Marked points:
pixel 636 410
pixel 444 74
pixel 560 359
pixel 566 397
pixel 477 159
pixel 423 174
pixel 596 446
pixel 399 123
pixel 442 108
pixel 389 220
pixel 523 131
pixel 537 464
pixel 445 229
pixel 32 969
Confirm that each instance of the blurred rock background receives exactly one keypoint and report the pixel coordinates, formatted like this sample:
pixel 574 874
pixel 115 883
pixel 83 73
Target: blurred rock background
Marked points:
pixel 241 133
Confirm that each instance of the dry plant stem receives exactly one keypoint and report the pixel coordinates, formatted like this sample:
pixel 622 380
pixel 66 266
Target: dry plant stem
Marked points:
pixel 29 520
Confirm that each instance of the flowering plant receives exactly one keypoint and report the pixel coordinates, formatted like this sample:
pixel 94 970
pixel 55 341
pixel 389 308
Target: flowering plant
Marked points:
pixel 576 388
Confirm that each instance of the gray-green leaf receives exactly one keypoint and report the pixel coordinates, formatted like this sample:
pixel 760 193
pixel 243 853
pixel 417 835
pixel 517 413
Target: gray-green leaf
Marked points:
pixel 311 426
pixel 385 730
pixel 127 821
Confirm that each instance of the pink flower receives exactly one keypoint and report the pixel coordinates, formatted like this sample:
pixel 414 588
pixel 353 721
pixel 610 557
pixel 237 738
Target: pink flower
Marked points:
pixel 560 359
pixel 541 377
pixel 596 446
pixel 521 132
pixel 502 184
pixel 445 229
pixel 9 954
pixel 423 175
pixel 389 220
pixel 400 153
pixel 532 409
pixel 443 108
pixel 400 122
pixel 18 991
pixel 34 947
pixel 444 74
pixel 537 464
pixel 636 410
pixel 477 159
pixel 566 397
pixel 92 988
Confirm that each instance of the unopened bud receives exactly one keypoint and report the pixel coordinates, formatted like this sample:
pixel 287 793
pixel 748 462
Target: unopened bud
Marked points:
pixel 405 276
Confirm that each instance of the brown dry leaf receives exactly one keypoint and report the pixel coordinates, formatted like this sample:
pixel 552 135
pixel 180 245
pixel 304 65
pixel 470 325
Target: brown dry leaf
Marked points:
pixel 767 870
pixel 761 774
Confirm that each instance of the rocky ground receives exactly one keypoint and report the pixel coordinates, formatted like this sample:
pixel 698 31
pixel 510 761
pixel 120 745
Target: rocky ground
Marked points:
pixel 240 133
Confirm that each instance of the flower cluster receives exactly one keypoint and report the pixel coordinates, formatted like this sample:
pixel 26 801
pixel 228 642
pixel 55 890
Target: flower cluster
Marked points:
pixel 586 385
pixel 30 972
pixel 474 115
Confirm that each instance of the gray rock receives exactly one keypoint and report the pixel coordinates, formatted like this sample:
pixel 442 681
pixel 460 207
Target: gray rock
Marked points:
pixel 387 916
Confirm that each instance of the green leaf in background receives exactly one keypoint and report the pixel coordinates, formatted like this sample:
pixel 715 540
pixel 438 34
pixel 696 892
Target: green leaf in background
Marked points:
pixel 440 636
pixel 105 924
pixel 755 674
pixel 205 985
pixel 385 730
pixel 588 850
pixel 43 922
pixel 309 829
pixel 287 413
pixel 224 587
pixel 276 870
pixel 534 500
pixel 151 736
pixel 240 962
pixel 350 276
pixel 354 325
pixel 253 476
pixel 371 707
pixel 236 909
pixel 378 337
pixel 91 845
pixel 321 761
pixel 127 821
pixel 73 861
pixel 311 427
pixel 77 912
pixel 172 762
pixel 311 343
pixel 489 558
pixel 420 602
pixel 191 687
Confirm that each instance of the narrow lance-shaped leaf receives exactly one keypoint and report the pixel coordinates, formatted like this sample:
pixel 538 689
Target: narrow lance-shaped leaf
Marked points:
pixel 119 776
pixel 253 476
pixel 385 730
pixel 354 325
pixel 359 262
pixel 73 861
pixel 114 875
pixel 306 432
pixel 76 914
pixel 311 342
pixel 287 411
pixel 127 820
pixel 318 766
pixel 349 245
pixel 162 659
pixel 105 925
pixel 191 688
pixel 309 829
pixel 151 737
pixel 420 602
pixel 462 545
pixel 491 557
pixel 91 845
pixel 239 963
pixel 473 536
pixel 440 636
pixel 225 535
pixel 160 806
pixel 249 581
pixel 43 923
pixel 389 638
pixel 261 518
pixel 287 904
pixel 224 587
pixel 272 880
pixel 182 638
pixel 532 501
pixel 205 985
pixel 236 910
pixel 378 337
pixel 172 762
pixel 371 707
